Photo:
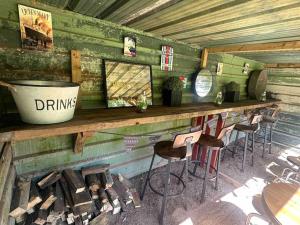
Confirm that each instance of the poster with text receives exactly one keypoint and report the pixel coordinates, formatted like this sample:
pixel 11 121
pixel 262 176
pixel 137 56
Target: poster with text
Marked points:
pixel 166 63
pixel 36 28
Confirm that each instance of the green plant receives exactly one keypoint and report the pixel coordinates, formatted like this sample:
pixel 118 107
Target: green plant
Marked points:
pixel 173 83
pixel 232 86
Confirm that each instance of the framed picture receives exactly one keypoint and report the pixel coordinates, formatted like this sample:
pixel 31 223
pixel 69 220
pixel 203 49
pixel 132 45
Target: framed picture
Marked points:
pixel 125 82
pixel 166 63
pixel 246 68
pixel 36 28
pixel 129 46
pixel 220 68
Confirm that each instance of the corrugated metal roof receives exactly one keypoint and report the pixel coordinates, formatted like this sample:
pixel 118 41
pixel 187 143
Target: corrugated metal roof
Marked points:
pixel 202 22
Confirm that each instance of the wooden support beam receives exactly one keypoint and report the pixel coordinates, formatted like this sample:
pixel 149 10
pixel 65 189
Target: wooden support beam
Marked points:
pixel 263 47
pixel 80 139
pixel 76 71
pixel 283 65
pixel 204 56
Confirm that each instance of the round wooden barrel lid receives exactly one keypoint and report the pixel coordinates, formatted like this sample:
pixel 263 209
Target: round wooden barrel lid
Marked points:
pixel 257 83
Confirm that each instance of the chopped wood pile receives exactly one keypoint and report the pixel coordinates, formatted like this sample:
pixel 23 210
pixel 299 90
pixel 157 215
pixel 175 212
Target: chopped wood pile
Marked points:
pixel 71 197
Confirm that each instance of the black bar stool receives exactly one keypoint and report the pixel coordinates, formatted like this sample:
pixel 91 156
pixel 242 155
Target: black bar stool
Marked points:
pixel 250 129
pixel 269 121
pixel 172 151
pixel 213 144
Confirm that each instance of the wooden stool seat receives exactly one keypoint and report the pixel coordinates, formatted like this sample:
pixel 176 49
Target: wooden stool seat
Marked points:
pixel 210 141
pixel 295 160
pixel 165 150
pixel 282 200
pixel 245 128
pixel 268 119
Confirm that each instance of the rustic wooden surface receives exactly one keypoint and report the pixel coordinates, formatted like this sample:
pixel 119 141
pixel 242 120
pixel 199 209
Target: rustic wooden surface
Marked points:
pixel 96 120
pixel 283 201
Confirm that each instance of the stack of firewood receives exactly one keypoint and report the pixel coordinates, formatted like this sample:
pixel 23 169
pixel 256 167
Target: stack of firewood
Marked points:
pixel 71 197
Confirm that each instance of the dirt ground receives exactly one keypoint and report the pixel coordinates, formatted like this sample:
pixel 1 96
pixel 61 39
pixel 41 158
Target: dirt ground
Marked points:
pixel 230 205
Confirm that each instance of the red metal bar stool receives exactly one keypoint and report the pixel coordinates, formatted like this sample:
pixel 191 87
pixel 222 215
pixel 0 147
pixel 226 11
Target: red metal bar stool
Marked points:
pixel 180 149
pixel 250 129
pixel 213 144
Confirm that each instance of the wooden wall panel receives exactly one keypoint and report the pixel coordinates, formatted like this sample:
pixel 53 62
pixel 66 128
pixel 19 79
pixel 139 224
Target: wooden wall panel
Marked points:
pixel 284 84
pixel 97 40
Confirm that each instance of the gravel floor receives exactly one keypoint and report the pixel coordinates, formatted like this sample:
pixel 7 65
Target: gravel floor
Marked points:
pixel 229 205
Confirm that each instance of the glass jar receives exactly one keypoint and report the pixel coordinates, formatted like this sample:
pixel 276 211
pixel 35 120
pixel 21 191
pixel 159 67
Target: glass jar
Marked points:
pixel 142 103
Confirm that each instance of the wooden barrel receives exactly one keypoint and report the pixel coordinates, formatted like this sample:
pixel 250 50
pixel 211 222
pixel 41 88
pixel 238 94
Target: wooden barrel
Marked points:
pixel 257 84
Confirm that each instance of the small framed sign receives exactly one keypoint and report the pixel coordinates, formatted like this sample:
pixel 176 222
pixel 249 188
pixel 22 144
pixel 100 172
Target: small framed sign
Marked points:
pixel 36 28
pixel 246 68
pixel 130 46
pixel 220 68
pixel 166 63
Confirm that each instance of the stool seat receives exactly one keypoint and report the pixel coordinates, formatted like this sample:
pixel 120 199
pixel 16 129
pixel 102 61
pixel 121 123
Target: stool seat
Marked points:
pixel 165 150
pixel 295 160
pixel 268 119
pixel 245 128
pixel 210 141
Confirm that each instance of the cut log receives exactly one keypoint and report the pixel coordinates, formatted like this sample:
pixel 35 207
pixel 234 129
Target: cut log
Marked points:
pixel 34 197
pixel 95 169
pixel 5 201
pixel 136 198
pixel 59 204
pixel 66 191
pixel 94 195
pixel 102 196
pixel 74 180
pixel 49 179
pixel 93 182
pixel 102 219
pixel 5 160
pixel 78 221
pixel 48 198
pixel 125 195
pixel 82 198
pixel 113 199
pixel 42 217
pixel 20 200
pixel 106 179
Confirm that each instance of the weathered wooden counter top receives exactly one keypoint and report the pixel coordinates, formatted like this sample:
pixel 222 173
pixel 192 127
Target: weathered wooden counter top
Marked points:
pixel 101 119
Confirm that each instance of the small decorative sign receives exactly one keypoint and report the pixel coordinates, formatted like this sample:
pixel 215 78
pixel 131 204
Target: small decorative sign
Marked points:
pixel 36 28
pixel 166 63
pixel 246 68
pixel 130 142
pixel 220 68
pixel 130 46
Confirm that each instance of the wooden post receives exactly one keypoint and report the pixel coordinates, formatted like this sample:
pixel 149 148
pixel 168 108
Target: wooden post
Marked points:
pixel 76 71
pixel 80 139
pixel 204 56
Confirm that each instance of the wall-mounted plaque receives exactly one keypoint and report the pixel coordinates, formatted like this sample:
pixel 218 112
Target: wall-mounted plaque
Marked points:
pixel 129 46
pixel 125 82
pixel 36 28
pixel 166 58
pixel 203 83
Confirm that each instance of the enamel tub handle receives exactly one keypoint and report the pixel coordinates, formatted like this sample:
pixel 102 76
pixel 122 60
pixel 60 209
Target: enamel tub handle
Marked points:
pixel 9 86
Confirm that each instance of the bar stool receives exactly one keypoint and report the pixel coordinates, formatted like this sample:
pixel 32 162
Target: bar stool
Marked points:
pixel 269 121
pixel 213 144
pixel 172 151
pixel 250 129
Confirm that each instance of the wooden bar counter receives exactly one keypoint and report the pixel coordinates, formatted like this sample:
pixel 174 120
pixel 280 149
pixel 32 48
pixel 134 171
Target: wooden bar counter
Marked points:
pixel 95 120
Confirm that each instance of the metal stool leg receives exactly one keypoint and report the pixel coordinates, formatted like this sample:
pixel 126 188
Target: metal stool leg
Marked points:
pixel 271 137
pixel 166 187
pixel 252 155
pixel 245 151
pixel 265 140
pixel 205 176
pixel 186 183
pixel 196 164
pixel 217 170
pixel 182 171
pixel 147 179
pixel 235 143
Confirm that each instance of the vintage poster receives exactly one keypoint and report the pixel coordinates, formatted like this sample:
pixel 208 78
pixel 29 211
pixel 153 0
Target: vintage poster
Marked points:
pixel 166 58
pixel 129 47
pixel 36 28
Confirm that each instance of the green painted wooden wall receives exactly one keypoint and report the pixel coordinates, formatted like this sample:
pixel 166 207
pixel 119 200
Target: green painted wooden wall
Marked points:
pixel 284 84
pixel 97 40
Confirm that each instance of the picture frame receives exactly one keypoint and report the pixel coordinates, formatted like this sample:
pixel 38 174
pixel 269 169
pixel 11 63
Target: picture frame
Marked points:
pixel 125 82
pixel 166 62
pixel 130 46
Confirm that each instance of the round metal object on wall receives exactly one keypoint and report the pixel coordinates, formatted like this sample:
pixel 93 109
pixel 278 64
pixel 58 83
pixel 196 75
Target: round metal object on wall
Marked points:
pixel 257 84
pixel 203 83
